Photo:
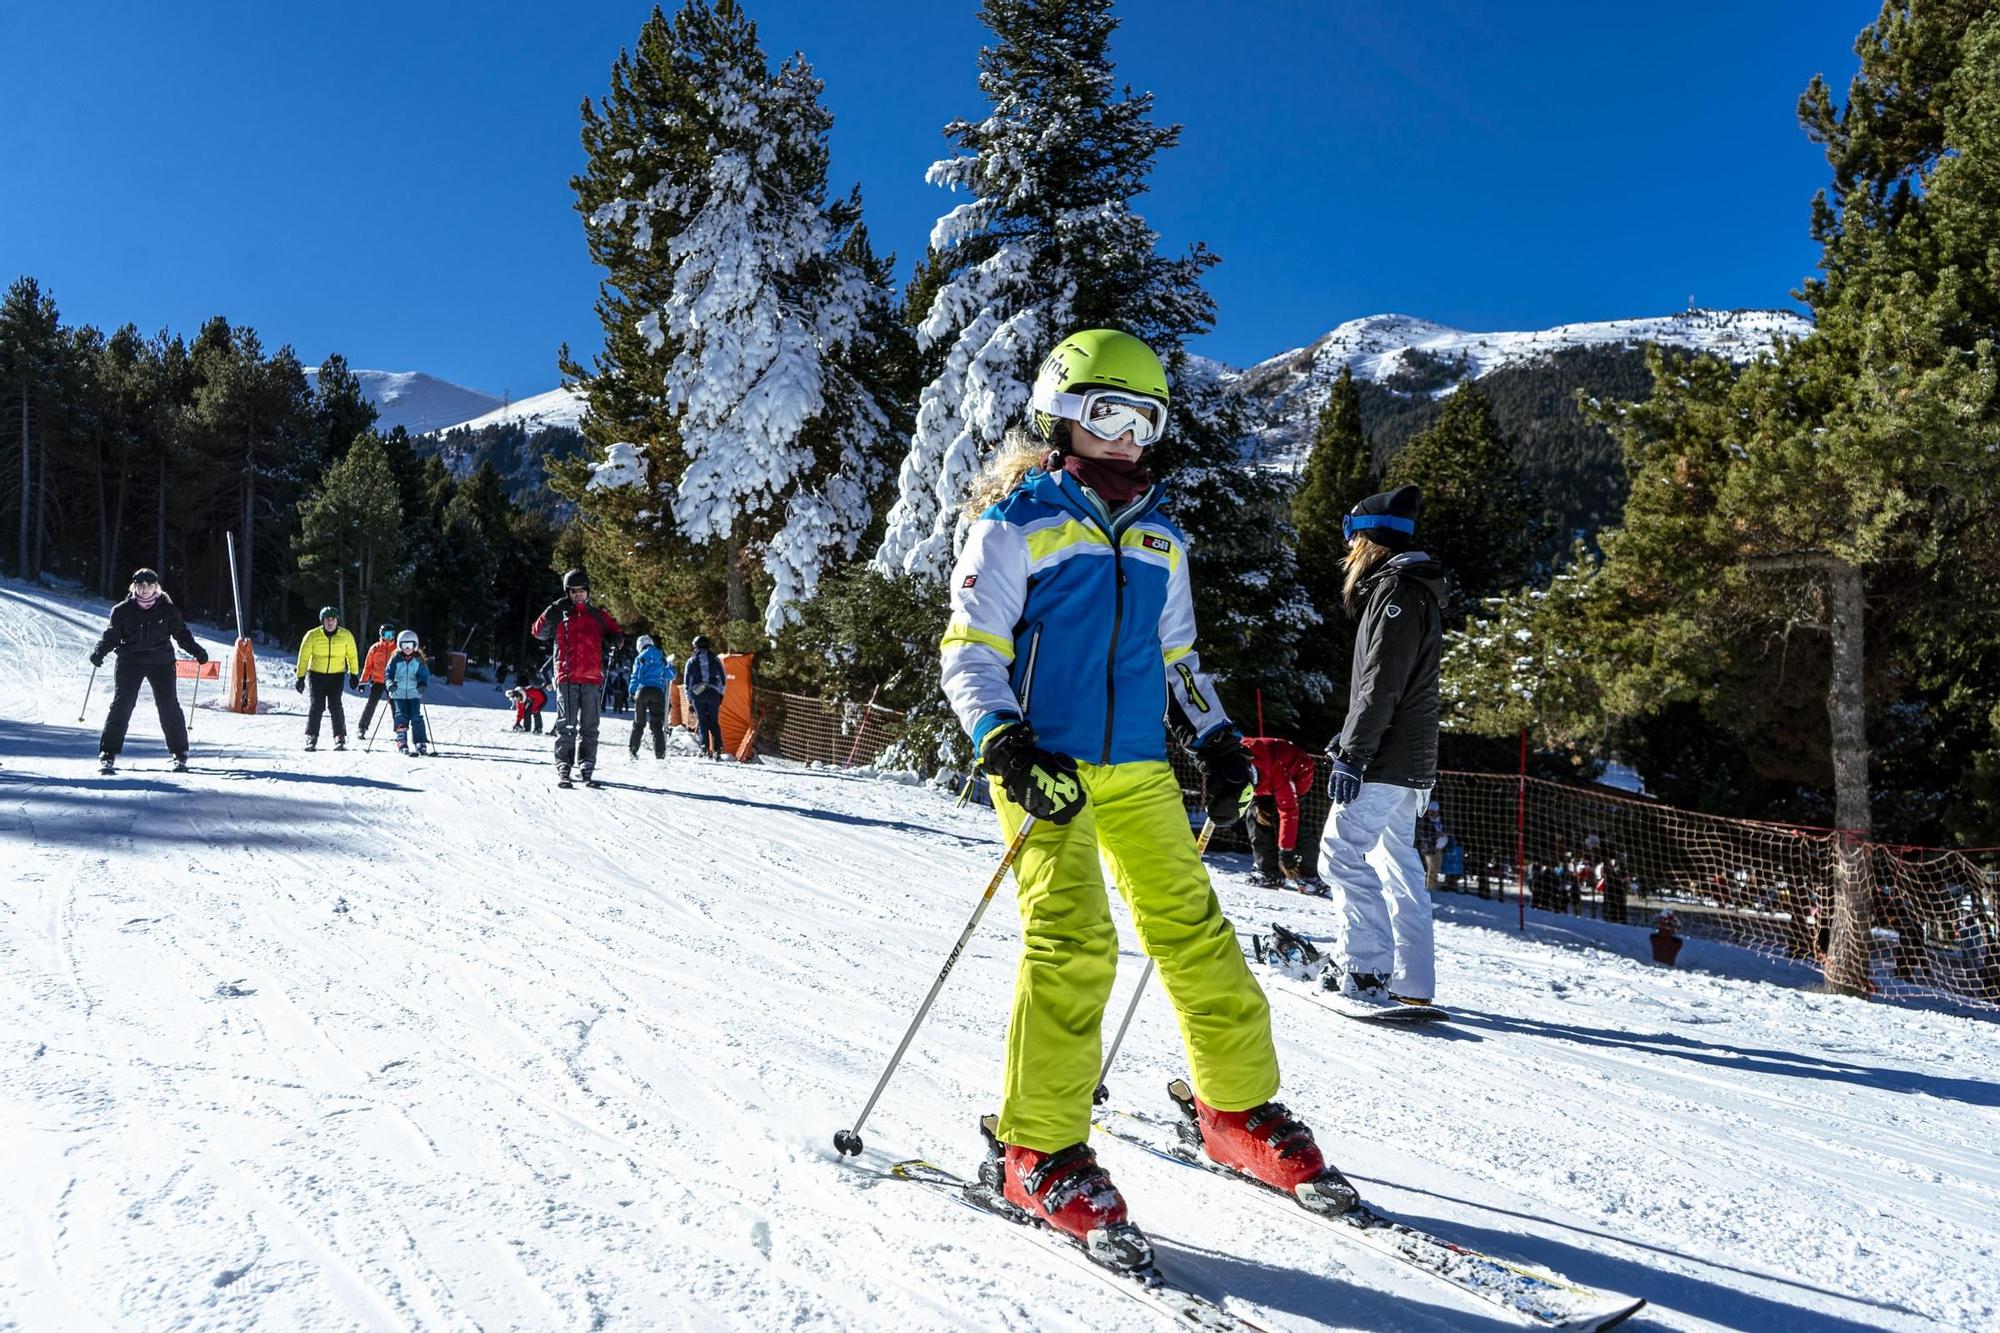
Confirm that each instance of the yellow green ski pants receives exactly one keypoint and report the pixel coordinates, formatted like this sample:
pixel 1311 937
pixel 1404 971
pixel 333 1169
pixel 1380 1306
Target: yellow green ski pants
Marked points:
pixel 1136 822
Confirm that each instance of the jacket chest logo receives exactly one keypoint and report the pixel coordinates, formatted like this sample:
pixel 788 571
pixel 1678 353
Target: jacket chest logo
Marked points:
pixel 1392 610
pixel 1156 543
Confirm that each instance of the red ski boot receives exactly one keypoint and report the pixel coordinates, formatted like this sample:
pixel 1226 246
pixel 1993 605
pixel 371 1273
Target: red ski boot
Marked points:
pixel 1069 1192
pixel 1270 1146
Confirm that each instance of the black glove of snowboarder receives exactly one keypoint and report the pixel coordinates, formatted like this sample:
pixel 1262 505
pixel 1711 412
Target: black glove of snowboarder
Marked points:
pixel 1041 782
pixel 1231 777
pixel 300 684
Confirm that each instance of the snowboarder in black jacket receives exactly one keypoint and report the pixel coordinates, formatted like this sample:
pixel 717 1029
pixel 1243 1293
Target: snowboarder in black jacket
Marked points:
pixel 143 631
pixel 1385 758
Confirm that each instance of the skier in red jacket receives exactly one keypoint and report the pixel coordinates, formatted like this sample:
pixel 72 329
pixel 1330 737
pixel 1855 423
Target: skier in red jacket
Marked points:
pixel 1284 774
pixel 582 634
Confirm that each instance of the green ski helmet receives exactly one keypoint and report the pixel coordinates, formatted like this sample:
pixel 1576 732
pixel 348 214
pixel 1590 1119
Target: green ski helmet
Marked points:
pixel 329 613
pixel 1094 358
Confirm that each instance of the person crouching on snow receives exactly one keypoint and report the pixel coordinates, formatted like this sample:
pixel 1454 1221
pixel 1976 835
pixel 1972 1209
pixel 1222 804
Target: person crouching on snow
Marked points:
pixel 1385 758
pixel 406 675
pixel 1072 619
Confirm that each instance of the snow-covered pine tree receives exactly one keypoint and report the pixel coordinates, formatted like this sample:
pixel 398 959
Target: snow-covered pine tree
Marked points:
pixel 1050 242
pixel 732 307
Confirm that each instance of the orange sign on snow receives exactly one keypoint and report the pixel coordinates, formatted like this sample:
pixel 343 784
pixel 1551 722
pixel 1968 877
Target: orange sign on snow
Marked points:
pixel 186 668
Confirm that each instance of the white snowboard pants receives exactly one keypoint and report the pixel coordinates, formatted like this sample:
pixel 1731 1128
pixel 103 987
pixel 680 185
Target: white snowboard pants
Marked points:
pixel 1370 858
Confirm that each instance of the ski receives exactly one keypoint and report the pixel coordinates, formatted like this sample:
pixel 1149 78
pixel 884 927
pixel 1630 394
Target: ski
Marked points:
pixel 1542 1299
pixel 1147 1285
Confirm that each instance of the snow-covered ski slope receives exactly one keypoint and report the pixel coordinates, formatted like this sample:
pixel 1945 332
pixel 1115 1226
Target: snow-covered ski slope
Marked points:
pixel 353 1041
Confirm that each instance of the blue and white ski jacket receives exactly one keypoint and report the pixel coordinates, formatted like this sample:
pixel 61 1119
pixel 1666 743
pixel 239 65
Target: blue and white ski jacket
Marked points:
pixel 1079 624
pixel 405 677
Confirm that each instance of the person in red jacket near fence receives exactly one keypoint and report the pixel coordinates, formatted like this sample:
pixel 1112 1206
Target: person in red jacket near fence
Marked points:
pixel 582 634
pixel 1284 774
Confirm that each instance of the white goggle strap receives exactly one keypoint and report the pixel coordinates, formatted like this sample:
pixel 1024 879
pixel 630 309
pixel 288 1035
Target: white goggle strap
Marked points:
pixel 1057 403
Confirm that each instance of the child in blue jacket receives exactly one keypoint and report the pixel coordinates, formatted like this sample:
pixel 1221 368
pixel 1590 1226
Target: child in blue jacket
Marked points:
pixel 406 676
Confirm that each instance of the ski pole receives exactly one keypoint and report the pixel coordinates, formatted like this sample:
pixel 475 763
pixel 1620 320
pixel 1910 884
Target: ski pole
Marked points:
pixel 193 695
pixel 847 1142
pixel 86 695
pixel 368 741
pixel 1103 1093
pixel 430 732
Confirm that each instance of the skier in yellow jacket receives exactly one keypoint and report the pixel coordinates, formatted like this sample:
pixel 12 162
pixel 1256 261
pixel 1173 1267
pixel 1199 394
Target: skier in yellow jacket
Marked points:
pixel 1072 632
pixel 326 655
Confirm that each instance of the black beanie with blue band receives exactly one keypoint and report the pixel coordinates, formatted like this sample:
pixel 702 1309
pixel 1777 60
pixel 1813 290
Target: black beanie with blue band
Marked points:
pixel 1388 519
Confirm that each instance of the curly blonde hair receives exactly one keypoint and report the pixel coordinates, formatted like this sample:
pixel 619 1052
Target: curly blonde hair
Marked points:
pixel 1020 453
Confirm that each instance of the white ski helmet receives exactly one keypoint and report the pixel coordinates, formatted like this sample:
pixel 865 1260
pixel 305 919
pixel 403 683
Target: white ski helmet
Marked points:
pixel 407 639
pixel 645 642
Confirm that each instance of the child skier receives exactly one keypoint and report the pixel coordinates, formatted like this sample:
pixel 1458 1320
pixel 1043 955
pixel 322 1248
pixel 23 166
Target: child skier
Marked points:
pixel 405 677
pixel 143 631
pixel 379 653
pixel 1072 620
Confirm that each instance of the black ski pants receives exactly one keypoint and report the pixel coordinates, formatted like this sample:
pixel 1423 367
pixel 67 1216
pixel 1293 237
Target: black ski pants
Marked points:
pixel 126 677
pixel 708 722
pixel 1264 836
pixel 576 726
pixel 650 709
pixel 375 692
pixel 324 689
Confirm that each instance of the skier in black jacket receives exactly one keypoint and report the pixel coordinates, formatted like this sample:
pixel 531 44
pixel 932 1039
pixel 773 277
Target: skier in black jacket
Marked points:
pixel 1385 758
pixel 143 631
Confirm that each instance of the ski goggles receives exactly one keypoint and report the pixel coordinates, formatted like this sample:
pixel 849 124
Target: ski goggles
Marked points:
pixel 1109 413
pixel 1354 523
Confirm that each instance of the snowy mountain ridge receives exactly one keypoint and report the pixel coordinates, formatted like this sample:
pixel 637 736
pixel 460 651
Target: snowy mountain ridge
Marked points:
pixel 558 407
pixel 1286 391
pixel 1377 347
pixel 415 401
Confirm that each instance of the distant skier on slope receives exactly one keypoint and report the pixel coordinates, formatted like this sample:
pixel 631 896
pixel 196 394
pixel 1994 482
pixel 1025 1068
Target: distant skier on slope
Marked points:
pixel 650 677
pixel 1072 618
pixel 379 653
pixel 705 682
pixel 1385 757
pixel 405 678
pixel 326 657
pixel 143 631
pixel 581 634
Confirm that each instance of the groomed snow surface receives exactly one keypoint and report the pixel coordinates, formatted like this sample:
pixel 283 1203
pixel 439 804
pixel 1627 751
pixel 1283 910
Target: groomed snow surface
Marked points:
pixel 354 1041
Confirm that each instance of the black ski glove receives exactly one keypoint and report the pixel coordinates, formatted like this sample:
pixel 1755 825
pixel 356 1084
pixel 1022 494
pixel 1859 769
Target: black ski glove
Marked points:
pixel 201 655
pixel 353 681
pixel 1291 863
pixel 1230 776
pixel 300 684
pixel 1043 783
pixel 97 659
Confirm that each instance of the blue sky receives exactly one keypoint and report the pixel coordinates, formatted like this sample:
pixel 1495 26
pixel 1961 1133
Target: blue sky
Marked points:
pixel 391 181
